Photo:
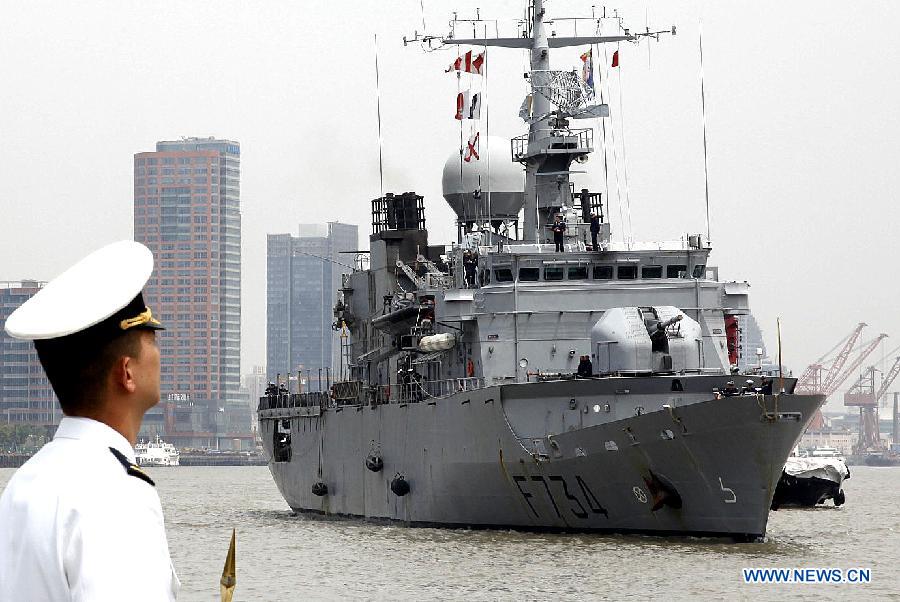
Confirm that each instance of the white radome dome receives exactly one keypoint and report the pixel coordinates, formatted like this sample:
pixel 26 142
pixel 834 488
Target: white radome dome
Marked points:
pixel 505 181
pixel 506 176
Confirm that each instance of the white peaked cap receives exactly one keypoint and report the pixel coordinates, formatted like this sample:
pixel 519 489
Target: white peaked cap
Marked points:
pixel 87 293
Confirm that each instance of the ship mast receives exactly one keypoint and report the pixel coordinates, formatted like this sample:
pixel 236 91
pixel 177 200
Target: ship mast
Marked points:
pixel 550 146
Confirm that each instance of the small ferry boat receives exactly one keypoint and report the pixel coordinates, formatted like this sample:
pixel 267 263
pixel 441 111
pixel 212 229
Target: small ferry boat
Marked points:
pixel 812 479
pixel 156 453
pixel 826 452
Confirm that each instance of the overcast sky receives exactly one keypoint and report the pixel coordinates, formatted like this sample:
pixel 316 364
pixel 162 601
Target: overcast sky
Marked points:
pixel 801 109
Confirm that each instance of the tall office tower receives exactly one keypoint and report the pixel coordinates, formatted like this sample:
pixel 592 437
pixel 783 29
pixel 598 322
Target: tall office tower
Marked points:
pixel 303 277
pixel 752 352
pixel 26 396
pixel 255 383
pixel 187 211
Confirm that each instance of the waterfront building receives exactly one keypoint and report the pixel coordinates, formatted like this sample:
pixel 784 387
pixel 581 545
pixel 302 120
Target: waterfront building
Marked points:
pixel 304 273
pixel 254 383
pixel 841 439
pixel 26 396
pixel 187 211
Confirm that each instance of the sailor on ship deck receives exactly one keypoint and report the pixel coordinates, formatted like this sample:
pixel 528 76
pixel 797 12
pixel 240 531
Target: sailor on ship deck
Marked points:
pixel 470 265
pixel 559 230
pixel 595 231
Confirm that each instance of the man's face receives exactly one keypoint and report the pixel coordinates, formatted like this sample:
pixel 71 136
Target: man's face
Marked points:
pixel 146 369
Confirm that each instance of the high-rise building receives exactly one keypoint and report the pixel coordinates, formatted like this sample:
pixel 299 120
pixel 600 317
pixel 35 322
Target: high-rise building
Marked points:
pixel 752 354
pixel 26 396
pixel 187 211
pixel 303 276
pixel 255 384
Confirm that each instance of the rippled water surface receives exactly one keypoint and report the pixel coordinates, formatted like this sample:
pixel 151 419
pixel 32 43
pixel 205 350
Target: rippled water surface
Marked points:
pixel 284 557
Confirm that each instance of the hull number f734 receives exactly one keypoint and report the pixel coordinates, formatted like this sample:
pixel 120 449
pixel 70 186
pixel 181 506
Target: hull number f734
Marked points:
pixel 577 500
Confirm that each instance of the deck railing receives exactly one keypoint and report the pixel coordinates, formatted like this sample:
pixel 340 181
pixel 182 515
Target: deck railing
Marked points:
pixel 359 393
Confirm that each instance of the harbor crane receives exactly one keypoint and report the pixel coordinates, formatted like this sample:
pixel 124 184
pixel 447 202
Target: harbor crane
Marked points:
pixel 864 395
pixel 817 379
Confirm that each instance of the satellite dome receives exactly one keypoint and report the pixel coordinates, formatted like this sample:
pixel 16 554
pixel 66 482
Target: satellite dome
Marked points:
pixel 505 183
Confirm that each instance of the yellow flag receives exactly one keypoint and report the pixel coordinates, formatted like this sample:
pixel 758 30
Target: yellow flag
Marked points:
pixel 229 573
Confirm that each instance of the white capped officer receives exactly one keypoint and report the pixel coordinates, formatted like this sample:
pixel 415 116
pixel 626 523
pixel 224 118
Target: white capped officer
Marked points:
pixel 79 520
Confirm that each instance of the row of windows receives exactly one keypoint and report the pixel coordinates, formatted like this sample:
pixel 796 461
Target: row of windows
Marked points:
pixel 152 181
pixel 600 272
pixel 186 246
pixel 149 196
pixel 173 161
pixel 197 299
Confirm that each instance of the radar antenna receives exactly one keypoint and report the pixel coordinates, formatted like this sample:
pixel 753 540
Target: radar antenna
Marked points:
pixel 550 145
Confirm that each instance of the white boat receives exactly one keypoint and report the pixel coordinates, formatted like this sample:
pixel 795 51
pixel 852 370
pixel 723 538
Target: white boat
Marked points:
pixel 826 452
pixel 156 453
pixel 812 479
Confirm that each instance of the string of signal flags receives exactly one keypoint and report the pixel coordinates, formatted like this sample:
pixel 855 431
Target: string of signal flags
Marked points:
pixel 468 102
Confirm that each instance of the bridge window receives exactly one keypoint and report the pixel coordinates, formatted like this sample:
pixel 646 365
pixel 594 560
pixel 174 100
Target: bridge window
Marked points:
pixel 627 272
pixel 578 272
pixel 676 271
pixel 553 273
pixel 603 272
pixel 651 271
pixel 699 270
pixel 529 274
pixel 503 275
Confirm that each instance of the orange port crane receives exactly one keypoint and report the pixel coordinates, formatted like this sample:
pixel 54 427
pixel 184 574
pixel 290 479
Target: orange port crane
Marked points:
pixel 812 380
pixel 864 395
pixel 867 350
pixel 863 390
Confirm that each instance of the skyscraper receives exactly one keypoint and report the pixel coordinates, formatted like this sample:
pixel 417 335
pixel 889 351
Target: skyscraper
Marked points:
pixel 752 354
pixel 25 393
pixel 303 276
pixel 187 211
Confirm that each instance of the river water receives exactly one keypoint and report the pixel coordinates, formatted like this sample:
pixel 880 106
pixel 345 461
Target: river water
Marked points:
pixel 284 557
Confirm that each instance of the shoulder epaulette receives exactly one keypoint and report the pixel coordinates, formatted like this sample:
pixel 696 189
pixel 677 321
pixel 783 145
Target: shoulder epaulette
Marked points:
pixel 132 469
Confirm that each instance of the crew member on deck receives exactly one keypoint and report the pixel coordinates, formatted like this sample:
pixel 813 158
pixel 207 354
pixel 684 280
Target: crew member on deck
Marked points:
pixel 470 265
pixel 79 520
pixel 585 367
pixel 595 230
pixel 559 231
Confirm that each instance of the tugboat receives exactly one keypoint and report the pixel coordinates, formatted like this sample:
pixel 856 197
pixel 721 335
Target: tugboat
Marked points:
pixel 809 480
pixel 527 379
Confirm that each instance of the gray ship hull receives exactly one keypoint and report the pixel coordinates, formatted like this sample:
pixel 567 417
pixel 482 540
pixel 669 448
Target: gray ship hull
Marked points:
pixel 693 466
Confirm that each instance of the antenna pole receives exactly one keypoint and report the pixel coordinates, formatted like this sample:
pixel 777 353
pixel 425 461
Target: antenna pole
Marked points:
pixel 780 365
pixel 703 114
pixel 378 105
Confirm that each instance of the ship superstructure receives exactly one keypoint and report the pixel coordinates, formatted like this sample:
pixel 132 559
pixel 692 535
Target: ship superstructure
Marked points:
pixel 498 382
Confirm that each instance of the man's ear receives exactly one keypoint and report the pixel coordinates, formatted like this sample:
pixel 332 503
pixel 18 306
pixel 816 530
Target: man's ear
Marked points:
pixel 123 374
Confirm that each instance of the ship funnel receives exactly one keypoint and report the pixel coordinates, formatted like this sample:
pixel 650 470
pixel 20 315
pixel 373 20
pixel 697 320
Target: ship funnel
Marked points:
pixel 479 193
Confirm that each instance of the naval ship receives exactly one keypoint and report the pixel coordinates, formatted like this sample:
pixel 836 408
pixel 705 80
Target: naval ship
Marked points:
pixel 497 382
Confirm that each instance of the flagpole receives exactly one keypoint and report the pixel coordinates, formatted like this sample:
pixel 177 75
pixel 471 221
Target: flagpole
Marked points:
pixel 378 106
pixel 780 365
pixel 703 114
pixel 487 132
pixel 461 148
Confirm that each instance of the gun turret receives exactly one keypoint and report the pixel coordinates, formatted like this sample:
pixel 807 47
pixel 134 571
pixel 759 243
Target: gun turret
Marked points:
pixel 669 322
